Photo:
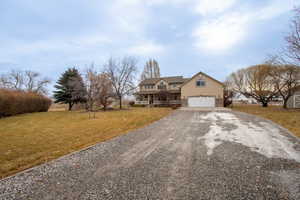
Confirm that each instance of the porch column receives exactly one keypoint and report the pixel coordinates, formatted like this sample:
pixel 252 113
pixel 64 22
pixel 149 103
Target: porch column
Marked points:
pixel 148 99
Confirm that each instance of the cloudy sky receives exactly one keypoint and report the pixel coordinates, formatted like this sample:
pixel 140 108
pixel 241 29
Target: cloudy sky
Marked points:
pixel 184 36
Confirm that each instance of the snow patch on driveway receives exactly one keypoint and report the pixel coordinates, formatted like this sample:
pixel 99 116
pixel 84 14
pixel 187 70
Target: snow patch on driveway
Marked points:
pixel 263 138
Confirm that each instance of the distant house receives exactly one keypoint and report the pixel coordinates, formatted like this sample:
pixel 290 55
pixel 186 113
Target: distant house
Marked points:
pixel 242 99
pixel 294 101
pixel 199 91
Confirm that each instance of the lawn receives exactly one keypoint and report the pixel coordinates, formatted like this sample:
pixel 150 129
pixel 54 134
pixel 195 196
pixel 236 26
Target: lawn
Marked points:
pixel 32 139
pixel 289 119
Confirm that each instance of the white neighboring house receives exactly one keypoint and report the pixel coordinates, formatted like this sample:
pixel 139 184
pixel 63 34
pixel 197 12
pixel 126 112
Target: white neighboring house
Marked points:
pixel 242 99
pixel 294 101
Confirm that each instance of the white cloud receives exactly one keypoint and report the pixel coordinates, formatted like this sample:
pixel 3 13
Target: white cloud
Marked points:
pixel 70 44
pixel 147 48
pixel 129 16
pixel 90 40
pixel 174 2
pixel 275 9
pixel 228 29
pixel 222 33
pixel 205 7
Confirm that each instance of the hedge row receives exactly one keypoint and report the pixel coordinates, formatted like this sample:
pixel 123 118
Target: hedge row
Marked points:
pixel 18 102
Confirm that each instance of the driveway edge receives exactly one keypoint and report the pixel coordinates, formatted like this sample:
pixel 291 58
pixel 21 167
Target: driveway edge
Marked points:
pixel 270 121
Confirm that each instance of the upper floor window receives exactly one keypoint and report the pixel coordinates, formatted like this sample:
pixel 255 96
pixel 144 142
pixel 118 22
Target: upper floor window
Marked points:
pixel 174 85
pixel 161 86
pixel 200 83
pixel 148 86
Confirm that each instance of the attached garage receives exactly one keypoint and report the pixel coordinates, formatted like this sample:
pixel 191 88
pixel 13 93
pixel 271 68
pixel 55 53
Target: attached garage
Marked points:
pixel 202 91
pixel 201 102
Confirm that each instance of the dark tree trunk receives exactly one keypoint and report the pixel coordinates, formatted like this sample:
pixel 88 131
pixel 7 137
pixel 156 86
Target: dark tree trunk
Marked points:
pixel 104 105
pixel 285 100
pixel 70 106
pixel 264 104
pixel 120 98
pixel 284 104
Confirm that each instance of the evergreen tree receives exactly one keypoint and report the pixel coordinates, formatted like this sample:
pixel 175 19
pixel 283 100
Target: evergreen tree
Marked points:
pixel 70 88
pixel 151 70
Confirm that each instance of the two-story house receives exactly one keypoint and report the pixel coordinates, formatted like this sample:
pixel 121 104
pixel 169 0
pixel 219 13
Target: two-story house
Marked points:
pixel 199 91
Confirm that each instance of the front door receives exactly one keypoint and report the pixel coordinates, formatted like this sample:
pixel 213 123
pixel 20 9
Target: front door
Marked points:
pixel 151 99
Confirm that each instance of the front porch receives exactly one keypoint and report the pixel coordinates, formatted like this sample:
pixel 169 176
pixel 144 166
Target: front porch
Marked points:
pixel 158 99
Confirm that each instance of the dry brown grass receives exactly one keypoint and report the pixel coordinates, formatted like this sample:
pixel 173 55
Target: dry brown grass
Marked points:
pixel 289 119
pixel 30 139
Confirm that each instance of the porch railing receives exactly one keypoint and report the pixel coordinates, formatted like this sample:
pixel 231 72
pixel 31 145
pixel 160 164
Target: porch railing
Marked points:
pixel 142 102
pixel 159 102
pixel 175 102
pixel 167 102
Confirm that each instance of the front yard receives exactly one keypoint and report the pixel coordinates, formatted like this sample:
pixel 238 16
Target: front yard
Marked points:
pixel 289 119
pixel 31 139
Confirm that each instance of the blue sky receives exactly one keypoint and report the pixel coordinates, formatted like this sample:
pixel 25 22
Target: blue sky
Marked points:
pixel 184 36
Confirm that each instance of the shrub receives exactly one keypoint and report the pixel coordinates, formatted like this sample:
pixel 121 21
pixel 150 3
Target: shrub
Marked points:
pixel 18 102
pixel 131 103
pixel 175 106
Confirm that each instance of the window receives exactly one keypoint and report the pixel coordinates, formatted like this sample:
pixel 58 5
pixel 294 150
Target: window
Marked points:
pixel 161 86
pixel 148 86
pixel 200 83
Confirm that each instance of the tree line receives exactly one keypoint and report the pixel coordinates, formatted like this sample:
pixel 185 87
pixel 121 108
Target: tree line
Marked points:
pixel 92 87
pixel 116 79
pixel 265 82
pixel 97 86
pixel 27 80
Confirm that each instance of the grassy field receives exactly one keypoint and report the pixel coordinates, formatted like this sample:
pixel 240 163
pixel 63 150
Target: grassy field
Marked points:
pixel 31 139
pixel 289 119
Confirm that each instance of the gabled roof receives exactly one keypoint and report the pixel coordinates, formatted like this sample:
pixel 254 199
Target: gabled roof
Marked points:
pixel 169 79
pixel 203 75
pixel 175 79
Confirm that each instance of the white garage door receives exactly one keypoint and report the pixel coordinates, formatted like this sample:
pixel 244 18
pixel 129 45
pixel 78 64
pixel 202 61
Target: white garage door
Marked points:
pixel 201 101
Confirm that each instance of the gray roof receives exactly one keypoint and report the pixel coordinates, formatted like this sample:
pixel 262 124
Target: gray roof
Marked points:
pixel 169 79
pixel 157 91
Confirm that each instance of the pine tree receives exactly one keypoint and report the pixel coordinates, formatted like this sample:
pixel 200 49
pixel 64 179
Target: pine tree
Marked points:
pixel 151 70
pixel 70 88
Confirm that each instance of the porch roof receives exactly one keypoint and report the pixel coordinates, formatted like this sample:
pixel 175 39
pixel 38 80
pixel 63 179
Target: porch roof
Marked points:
pixel 157 91
pixel 169 79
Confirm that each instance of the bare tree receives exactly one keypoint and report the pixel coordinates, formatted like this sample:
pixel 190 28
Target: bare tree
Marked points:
pixel 121 73
pixel 286 79
pixel 24 80
pixel 151 70
pixel 33 82
pixel 13 80
pixel 105 90
pixel 255 82
pixel 91 83
pixel 98 87
pixel 228 93
pixel 293 39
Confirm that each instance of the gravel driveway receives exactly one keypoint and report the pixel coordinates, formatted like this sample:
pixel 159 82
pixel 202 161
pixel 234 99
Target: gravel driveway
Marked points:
pixel 187 155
